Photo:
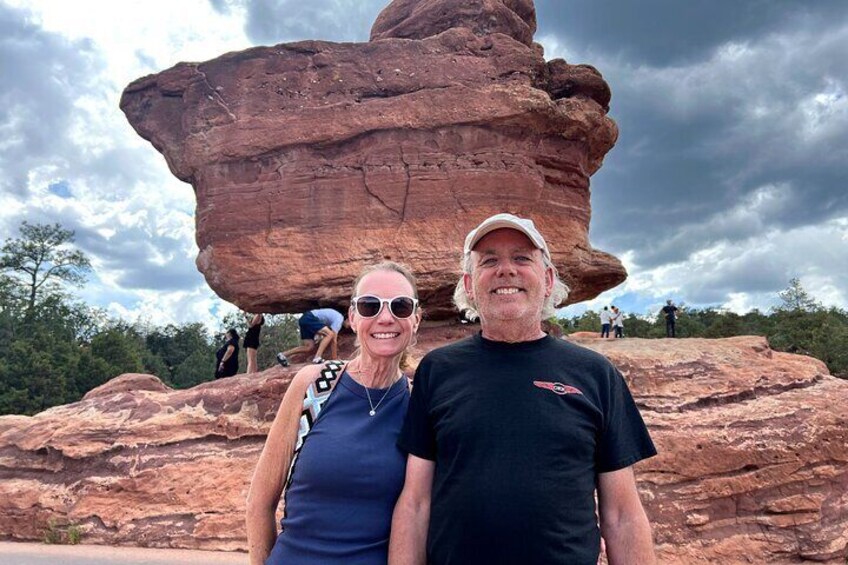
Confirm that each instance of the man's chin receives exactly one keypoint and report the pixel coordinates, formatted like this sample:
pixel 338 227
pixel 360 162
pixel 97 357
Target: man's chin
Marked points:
pixel 510 313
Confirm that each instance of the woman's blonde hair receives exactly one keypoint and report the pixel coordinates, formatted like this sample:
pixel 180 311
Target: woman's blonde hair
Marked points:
pixel 386 266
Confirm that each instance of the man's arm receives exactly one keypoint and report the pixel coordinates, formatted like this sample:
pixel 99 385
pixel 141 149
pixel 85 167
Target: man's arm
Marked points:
pixel 624 525
pixel 408 543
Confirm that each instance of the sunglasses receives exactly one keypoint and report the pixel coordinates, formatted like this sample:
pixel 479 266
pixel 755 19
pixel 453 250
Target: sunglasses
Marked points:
pixel 369 306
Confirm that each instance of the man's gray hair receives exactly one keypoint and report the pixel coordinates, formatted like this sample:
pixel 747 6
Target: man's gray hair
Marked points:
pixel 464 303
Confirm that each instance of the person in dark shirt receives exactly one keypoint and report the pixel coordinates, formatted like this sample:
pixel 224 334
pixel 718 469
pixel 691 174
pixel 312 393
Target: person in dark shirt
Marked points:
pixel 251 340
pixel 511 432
pixel 227 355
pixel 669 311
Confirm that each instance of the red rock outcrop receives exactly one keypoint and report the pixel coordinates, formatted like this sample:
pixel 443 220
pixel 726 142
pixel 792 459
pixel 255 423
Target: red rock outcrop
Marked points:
pixel 310 160
pixel 753 463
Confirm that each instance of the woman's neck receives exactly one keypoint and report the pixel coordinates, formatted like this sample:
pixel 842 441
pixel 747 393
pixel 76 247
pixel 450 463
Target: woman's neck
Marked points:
pixel 374 372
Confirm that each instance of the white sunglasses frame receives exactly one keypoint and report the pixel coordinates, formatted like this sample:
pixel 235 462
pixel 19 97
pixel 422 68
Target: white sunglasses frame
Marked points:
pixel 384 302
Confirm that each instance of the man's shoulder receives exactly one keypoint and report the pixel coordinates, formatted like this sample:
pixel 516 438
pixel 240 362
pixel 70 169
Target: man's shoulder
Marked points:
pixel 578 354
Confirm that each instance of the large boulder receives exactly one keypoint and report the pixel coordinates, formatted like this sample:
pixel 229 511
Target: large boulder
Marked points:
pixel 310 160
pixel 752 464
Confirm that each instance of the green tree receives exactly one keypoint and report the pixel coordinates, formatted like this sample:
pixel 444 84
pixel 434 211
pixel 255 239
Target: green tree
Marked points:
pixel 588 321
pixel 90 372
pixel 40 262
pixel 197 368
pixel 634 326
pixel 35 375
pixel 722 324
pixel 176 353
pixel 120 347
pixel 279 333
pixel 796 298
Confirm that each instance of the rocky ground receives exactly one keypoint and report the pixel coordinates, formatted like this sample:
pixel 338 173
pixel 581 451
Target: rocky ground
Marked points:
pixel 753 459
pixel 40 554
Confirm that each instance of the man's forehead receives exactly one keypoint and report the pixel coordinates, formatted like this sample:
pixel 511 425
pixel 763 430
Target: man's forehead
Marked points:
pixel 504 238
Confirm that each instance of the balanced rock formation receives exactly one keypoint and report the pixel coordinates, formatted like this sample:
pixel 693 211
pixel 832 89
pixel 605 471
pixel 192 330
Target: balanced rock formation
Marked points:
pixel 752 464
pixel 310 160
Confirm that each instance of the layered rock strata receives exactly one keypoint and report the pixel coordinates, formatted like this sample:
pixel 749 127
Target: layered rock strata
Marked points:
pixel 310 160
pixel 753 463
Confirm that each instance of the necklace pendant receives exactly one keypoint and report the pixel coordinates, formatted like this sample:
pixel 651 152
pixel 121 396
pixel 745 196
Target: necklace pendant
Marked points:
pixel 372 412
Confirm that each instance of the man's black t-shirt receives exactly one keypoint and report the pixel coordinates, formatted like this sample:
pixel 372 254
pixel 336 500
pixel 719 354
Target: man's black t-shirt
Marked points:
pixel 518 433
pixel 670 312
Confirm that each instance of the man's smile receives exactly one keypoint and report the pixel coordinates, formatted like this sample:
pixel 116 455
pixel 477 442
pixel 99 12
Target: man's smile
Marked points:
pixel 507 290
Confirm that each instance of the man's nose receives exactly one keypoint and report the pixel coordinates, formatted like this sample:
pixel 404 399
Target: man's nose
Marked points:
pixel 506 268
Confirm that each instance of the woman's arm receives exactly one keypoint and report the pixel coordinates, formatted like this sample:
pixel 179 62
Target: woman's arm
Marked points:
pixel 227 354
pixel 270 475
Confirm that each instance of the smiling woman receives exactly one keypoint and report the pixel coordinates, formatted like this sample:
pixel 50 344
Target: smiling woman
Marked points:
pixel 347 462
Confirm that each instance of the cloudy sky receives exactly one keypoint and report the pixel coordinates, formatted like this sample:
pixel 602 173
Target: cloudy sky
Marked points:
pixel 729 177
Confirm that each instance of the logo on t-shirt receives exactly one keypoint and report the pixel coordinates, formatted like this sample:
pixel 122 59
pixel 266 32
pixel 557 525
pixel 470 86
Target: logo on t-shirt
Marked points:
pixel 558 388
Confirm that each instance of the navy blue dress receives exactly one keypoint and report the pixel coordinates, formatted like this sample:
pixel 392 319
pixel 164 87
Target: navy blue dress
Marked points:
pixel 346 481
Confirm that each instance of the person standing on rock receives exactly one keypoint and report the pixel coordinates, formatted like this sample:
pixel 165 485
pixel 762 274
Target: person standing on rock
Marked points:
pixel 617 323
pixel 227 356
pixel 335 439
pixel 606 318
pixel 511 432
pixel 669 311
pixel 319 327
pixel 251 339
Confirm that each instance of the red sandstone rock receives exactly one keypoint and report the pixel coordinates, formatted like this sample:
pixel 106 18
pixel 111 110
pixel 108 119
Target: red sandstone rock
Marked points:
pixel 310 160
pixel 753 463
pixel 419 19
pixel 753 450
pixel 128 382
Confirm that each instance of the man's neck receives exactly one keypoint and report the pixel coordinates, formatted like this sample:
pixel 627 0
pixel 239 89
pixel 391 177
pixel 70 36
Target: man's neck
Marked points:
pixel 513 331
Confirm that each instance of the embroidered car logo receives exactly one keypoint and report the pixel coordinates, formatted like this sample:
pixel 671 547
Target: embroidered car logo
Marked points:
pixel 558 388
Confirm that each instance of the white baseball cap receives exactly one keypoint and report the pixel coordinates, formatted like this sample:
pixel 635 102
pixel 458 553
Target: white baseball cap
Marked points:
pixel 499 221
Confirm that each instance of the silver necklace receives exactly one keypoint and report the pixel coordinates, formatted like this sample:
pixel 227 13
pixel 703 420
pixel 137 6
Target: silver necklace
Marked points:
pixel 371 404
pixel 368 394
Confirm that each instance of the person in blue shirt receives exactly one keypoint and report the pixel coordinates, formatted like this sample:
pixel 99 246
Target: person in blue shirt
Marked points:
pixel 348 470
pixel 317 327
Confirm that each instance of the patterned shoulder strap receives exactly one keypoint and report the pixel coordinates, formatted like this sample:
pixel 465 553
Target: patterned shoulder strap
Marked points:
pixel 316 395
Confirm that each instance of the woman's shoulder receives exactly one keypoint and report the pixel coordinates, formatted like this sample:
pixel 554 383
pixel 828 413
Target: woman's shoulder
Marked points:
pixel 306 376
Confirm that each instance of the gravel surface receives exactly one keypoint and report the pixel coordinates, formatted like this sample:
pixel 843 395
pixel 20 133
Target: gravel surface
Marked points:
pixel 13 553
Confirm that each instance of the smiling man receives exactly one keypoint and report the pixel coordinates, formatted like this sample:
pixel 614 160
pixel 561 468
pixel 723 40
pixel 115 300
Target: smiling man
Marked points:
pixel 511 432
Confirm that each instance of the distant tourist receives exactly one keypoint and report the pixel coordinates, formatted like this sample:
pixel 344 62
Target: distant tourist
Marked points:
pixel 617 322
pixel 317 327
pixel 251 339
pixel 342 478
pixel 227 355
pixel 606 319
pixel 669 311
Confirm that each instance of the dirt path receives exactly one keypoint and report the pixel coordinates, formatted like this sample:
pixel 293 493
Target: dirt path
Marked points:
pixel 12 553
